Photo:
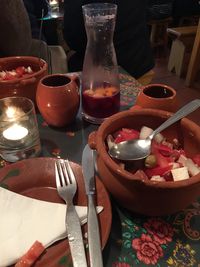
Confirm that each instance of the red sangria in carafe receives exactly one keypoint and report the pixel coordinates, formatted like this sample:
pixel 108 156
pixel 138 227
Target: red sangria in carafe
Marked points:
pixel 100 78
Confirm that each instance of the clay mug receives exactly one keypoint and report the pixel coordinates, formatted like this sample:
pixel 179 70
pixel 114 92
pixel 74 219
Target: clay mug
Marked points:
pixel 58 99
pixel 157 96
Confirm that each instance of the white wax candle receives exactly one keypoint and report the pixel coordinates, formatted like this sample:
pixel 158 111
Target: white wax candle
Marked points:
pixel 15 132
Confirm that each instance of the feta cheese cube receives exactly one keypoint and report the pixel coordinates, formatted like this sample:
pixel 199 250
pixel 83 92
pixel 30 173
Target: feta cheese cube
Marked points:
pixel 175 165
pixel 157 178
pixel 180 174
pixel 29 70
pixel 182 159
pixel 145 132
pixel 110 141
pixel 2 74
pixel 159 138
pixel 193 169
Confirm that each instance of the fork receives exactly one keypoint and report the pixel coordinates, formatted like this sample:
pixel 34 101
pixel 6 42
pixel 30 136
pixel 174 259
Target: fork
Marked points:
pixel 66 187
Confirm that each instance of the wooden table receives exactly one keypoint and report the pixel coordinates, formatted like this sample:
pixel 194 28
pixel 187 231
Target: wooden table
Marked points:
pixel 128 227
pixel 162 241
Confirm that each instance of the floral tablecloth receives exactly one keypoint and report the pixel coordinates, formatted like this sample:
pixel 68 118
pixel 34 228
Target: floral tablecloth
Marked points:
pixel 134 240
pixel 156 241
pixel 129 89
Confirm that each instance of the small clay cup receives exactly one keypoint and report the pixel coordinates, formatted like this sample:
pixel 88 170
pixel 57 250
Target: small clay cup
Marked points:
pixel 134 192
pixel 58 99
pixel 158 96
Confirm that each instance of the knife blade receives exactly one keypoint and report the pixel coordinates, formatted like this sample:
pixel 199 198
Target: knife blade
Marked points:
pixel 95 253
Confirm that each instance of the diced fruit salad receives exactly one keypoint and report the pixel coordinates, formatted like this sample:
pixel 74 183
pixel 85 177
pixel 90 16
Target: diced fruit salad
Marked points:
pixel 19 72
pixel 167 161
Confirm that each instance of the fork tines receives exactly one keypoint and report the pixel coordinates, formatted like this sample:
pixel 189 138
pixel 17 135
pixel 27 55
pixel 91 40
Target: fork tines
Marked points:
pixel 65 173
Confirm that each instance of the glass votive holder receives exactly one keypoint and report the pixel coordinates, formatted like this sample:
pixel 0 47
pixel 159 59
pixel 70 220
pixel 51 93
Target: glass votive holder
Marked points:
pixel 19 135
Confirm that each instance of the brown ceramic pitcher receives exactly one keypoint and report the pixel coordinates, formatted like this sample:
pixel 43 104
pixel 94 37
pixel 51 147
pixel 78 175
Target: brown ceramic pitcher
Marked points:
pixel 58 99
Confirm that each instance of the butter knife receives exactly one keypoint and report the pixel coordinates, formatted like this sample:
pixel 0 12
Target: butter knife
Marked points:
pixel 94 243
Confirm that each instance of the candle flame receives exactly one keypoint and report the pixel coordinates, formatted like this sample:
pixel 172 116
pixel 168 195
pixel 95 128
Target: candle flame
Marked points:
pixel 53 2
pixel 10 112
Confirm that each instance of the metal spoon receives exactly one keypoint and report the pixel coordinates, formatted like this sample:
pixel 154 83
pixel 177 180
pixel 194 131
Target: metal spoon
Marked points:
pixel 137 149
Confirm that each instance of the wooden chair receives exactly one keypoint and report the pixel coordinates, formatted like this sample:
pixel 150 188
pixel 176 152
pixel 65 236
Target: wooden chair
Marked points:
pixel 54 55
pixel 194 64
pixel 183 38
pixel 158 36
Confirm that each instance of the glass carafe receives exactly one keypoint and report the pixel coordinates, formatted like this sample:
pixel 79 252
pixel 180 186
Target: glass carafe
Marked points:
pixel 100 78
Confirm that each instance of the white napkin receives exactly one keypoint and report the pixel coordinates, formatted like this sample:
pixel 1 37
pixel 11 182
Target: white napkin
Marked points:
pixel 24 220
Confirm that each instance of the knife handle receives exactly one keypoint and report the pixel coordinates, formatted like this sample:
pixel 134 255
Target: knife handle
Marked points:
pixel 93 235
pixel 75 238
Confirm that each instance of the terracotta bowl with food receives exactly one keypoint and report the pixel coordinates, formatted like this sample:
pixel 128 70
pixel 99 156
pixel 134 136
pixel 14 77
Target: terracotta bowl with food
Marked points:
pixel 19 76
pixel 166 182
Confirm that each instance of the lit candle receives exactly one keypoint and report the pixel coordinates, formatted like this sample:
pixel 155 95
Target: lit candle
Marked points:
pixel 15 132
pixel 13 112
pixel 53 2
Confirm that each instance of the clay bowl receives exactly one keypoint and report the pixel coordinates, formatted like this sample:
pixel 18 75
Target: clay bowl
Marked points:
pixel 145 196
pixel 24 86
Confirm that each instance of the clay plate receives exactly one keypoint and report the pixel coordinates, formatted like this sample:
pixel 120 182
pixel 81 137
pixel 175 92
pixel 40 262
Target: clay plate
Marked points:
pixel 35 178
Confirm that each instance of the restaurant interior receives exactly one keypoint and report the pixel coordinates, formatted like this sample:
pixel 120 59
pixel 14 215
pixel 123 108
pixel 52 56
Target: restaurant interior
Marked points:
pixel 98 167
pixel 168 33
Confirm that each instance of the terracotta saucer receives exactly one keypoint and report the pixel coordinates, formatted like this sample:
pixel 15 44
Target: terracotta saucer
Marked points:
pixel 35 178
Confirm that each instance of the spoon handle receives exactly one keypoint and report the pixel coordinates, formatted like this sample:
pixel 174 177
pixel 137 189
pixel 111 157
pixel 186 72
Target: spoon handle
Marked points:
pixel 182 112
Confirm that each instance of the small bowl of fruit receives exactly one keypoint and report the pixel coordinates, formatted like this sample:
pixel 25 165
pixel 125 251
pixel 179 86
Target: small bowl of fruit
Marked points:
pixel 165 182
pixel 19 76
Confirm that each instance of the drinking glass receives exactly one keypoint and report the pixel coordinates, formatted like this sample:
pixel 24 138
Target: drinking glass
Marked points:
pixel 19 136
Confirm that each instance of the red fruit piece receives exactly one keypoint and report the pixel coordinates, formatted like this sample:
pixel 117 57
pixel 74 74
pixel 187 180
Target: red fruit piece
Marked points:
pixel 141 174
pixel 163 149
pixel 9 76
pixel 158 170
pixel 162 161
pixel 196 159
pixel 168 176
pixel 126 134
pixel 20 71
pixel 176 154
pixel 31 255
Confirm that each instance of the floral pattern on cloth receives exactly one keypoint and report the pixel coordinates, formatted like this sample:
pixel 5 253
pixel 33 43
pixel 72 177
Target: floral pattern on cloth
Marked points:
pixel 129 89
pixel 160 241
